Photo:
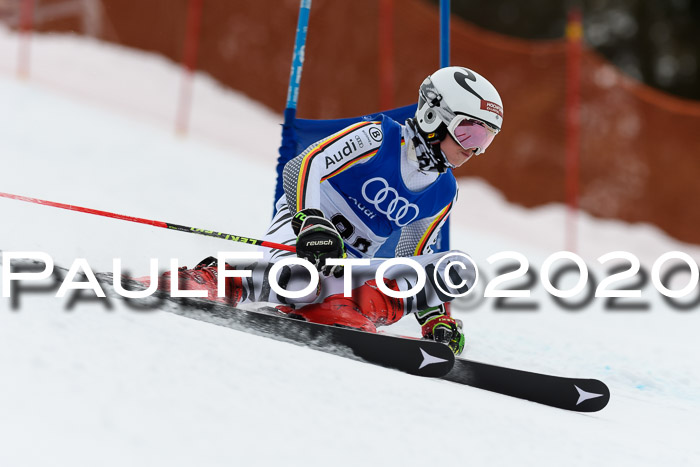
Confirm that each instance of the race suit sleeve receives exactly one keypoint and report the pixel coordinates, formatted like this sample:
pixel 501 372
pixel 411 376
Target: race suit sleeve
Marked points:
pixel 302 176
pixel 418 237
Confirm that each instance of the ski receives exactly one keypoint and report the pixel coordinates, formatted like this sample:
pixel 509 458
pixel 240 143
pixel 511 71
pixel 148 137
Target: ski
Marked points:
pixel 413 356
pixel 580 395
pixel 410 355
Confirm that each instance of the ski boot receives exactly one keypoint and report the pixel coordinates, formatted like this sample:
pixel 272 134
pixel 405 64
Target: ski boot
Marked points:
pixel 365 309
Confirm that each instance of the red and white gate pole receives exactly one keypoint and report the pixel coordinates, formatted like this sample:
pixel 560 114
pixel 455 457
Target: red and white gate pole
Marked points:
pixel 574 32
pixel 26 24
pixel 189 65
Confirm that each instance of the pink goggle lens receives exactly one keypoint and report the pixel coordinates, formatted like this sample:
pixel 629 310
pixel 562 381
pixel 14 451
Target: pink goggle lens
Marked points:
pixel 471 134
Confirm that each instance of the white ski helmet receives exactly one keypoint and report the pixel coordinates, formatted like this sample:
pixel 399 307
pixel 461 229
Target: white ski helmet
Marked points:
pixel 453 95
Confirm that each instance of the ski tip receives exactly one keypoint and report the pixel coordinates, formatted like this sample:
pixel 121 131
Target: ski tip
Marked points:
pixel 590 395
pixel 434 361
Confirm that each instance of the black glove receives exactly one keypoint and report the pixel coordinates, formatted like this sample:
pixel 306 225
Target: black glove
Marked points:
pixel 318 240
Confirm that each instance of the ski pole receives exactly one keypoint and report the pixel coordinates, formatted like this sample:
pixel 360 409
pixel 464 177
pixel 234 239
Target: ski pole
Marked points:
pixel 164 225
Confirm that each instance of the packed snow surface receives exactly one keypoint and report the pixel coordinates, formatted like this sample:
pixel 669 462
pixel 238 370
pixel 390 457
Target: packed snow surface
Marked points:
pixel 88 383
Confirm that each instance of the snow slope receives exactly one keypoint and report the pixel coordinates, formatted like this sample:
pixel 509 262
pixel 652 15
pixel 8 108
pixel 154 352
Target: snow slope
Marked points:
pixel 87 384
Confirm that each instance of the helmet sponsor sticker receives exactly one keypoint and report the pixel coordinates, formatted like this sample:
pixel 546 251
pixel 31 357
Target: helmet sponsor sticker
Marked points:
pixel 492 107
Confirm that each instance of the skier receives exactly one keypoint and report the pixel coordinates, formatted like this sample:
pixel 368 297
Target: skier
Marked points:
pixel 346 194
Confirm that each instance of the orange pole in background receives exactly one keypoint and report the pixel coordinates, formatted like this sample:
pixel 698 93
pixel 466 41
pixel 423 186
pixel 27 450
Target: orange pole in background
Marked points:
pixel 574 33
pixel 26 23
pixel 189 64
pixel 386 54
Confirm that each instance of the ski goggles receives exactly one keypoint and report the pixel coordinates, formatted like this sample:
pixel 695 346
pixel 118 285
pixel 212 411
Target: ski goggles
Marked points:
pixel 471 134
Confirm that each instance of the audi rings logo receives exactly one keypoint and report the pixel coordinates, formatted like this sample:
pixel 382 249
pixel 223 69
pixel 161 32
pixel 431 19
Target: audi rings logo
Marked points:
pixel 388 202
